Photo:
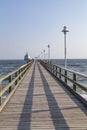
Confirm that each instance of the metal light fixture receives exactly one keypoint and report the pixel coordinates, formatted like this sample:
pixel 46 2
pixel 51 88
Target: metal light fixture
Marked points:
pixel 65 31
pixel 48 52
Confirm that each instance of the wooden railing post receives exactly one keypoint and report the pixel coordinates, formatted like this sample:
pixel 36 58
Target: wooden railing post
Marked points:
pixel 10 79
pixel 16 76
pixel 56 71
pixel 66 76
pixel 74 79
pixel 19 74
pixel 59 73
pixel 53 69
pixel 50 67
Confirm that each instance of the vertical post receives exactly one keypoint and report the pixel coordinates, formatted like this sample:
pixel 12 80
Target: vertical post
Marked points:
pixel 59 73
pixel 41 56
pixel 44 54
pixel 65 31
pixel 10 79
pixel 15 77
pixel 22 71
pixel 65 51
pixel 19 74
pixel 53 69
pixel 56 71
pixel 74 79
pixel 49 52
pixel 66 76
pixel 50 67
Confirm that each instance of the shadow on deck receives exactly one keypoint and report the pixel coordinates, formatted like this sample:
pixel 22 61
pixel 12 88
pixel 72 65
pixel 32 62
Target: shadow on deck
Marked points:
pixel 25 119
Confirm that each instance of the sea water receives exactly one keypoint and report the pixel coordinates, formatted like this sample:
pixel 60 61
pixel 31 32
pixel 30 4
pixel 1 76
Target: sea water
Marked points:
pixel 78 65
pixel 7 66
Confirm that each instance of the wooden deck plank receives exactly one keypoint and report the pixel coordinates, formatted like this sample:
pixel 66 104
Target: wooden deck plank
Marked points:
pixel 42 103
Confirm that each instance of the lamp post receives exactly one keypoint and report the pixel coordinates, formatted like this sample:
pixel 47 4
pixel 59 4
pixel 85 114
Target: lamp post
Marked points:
pixel 44 54
pixel 41 55
pixel 65 31
pixel 48 52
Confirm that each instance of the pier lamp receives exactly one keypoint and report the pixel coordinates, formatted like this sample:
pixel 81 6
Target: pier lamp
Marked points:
pixel 65 31
pixel 48 52
pixel 44 54
pixel 41 55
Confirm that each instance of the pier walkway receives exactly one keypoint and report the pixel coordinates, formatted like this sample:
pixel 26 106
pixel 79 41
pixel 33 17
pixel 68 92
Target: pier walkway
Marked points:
pixel 41 102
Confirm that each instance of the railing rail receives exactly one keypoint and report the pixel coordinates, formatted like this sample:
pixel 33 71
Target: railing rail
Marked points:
pixel 10 82
pixel 73 80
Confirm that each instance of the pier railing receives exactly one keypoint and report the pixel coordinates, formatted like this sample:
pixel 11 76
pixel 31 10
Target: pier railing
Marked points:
pixel 76 82
pixel 10 82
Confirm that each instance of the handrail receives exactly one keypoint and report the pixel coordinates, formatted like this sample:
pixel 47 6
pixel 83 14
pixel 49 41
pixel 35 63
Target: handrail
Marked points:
pixel 13 79
pixel 77 73
pixel 68 77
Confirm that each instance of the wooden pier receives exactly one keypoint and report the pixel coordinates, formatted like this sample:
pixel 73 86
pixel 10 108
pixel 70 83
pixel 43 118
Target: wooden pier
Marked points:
pixel 41 102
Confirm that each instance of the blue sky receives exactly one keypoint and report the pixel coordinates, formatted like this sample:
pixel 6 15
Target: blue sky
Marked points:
pixel 30 25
